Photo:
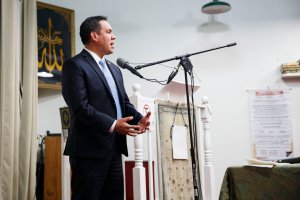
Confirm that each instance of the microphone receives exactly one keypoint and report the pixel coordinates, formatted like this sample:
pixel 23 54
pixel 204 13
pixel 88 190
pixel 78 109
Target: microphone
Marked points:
pixel 125 65
pixel 172 75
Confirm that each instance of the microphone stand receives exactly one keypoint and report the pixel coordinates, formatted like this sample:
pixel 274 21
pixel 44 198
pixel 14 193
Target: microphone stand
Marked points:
pixel 188 67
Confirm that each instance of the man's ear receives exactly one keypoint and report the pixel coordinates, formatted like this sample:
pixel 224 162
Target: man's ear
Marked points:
pixel 94 36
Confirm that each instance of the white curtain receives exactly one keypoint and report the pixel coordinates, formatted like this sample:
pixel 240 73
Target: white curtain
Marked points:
pixel 18 99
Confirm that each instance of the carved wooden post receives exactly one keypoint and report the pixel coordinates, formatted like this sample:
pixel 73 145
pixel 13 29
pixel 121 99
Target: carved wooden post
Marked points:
pixel 139 175
pixel 209 179
pixel 65 165
pixel 150 172
pixel 65 169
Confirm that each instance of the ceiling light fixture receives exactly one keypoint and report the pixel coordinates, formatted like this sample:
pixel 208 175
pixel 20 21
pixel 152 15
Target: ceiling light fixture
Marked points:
pixel 216 7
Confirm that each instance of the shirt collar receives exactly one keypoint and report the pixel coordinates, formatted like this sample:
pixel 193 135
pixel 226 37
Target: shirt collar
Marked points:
pixel 95 56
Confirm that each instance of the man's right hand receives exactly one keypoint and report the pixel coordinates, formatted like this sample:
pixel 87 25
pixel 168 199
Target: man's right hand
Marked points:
pixel 123 128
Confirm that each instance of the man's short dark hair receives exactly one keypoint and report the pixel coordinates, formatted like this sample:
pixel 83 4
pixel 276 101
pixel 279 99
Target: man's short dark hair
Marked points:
pixel 89 25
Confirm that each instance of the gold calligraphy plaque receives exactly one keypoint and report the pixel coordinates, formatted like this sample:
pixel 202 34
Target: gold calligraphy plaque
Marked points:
pixel 55 33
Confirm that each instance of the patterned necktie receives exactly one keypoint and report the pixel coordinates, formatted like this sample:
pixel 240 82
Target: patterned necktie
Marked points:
pixel 112 85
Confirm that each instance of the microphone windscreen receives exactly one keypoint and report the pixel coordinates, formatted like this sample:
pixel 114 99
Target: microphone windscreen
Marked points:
pixel 121 62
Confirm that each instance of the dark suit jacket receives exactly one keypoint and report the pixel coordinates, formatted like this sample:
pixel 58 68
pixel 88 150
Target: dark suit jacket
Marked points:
pixel 92 107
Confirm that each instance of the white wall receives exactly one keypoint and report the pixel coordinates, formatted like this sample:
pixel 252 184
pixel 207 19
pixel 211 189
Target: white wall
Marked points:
pixel 267 35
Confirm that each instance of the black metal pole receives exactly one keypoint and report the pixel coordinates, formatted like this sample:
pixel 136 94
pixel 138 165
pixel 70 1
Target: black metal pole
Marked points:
pixel 186 56
pixel 187 65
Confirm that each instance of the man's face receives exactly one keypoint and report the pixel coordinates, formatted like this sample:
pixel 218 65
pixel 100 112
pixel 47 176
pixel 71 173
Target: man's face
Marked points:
pixel 105 38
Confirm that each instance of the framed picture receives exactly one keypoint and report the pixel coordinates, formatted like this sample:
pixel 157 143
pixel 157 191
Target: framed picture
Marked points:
pixel 65 117
pixel 56 43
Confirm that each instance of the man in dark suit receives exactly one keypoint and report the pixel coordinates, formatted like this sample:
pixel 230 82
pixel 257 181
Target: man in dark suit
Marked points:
pixel 101 115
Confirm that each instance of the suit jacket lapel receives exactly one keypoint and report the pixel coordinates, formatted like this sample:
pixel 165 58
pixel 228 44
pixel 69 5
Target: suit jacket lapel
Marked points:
pixel 95 66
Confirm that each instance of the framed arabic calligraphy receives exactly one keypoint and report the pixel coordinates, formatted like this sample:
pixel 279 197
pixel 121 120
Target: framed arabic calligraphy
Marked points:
pixel 55 31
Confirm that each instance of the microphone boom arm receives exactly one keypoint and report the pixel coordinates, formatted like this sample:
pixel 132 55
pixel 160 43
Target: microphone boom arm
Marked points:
pixel 183 56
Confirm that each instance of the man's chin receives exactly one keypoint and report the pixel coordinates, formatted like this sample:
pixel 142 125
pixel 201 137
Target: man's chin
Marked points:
pixel 109 52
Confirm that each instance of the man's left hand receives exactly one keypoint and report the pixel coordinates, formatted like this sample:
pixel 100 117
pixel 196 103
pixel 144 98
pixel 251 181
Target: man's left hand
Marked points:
pixel 145 123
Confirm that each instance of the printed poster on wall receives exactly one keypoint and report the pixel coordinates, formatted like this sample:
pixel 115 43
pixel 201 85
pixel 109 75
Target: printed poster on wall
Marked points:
pixel 271 124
